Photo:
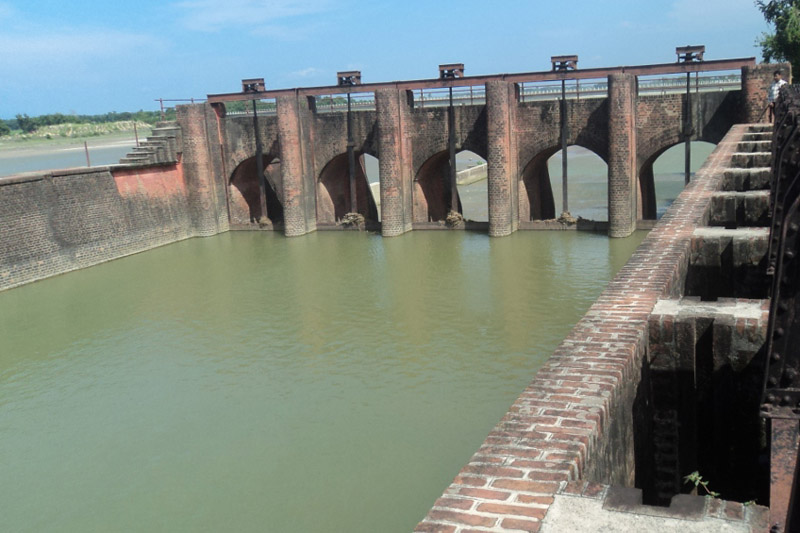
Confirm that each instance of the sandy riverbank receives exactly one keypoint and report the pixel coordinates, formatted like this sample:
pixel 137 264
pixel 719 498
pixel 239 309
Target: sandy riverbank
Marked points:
pixel 35 147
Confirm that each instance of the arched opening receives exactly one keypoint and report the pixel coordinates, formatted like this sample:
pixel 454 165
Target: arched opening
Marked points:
pixel 333 191
pixel 662 176
pixel 432 190
pixel 244 196
pixel 536 192
pixel 541 185
pixel 372 169
pixel 472 184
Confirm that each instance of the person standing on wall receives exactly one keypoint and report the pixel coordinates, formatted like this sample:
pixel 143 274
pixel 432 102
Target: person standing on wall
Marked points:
pixel 774 90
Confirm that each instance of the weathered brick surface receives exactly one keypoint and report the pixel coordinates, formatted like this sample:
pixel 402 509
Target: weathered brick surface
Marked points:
pixel 575 420
pixel 395 165
pixel 501 158
pixel 299 199
pixel 755 84
pixel 51 223
pixel 201 164
pixel 621 155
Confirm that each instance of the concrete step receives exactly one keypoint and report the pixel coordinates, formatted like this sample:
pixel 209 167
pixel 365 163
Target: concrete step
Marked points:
pixel 754 146
pixel 729 263
pixel 751 159
pixel 758 136
pixel 739 209
pixel 746 179
pixel 760 128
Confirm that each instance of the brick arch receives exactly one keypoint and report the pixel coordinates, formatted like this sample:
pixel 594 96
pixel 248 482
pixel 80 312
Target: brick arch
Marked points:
pixel 431 194
pixel 244 201
pixel 536 200
pixel 647 191
pixel 333 191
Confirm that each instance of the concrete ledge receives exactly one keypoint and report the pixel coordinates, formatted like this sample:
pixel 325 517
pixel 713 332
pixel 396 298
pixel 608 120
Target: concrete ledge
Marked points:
pixel 737 209
pixel 585 507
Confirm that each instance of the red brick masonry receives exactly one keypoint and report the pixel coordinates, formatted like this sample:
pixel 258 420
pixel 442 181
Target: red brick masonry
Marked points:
pixel 574 421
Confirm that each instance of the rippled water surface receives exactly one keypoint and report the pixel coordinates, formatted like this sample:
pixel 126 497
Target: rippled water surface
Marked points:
pixel 249 382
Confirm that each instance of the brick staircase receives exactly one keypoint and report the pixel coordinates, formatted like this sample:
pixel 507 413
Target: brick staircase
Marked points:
pixel 161 147
pixel 706 344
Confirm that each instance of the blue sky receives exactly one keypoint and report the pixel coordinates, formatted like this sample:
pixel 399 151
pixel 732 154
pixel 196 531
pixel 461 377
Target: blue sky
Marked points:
pixel 86 56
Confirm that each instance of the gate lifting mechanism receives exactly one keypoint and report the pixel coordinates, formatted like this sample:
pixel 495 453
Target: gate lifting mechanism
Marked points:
pixel 348 79
pixel 256 85
pixel 688 54
pixel 563 64
pixel 451 71
pixel 780 400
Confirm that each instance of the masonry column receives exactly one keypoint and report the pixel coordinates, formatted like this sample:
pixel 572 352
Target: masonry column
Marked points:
pixel 298 219
pixel 502 158
pixel 621 155
pixel 755 84
pixel 201 167
pixel 394 162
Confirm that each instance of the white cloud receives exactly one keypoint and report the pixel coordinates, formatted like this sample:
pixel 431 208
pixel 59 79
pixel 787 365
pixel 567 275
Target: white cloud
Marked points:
pixel 215 15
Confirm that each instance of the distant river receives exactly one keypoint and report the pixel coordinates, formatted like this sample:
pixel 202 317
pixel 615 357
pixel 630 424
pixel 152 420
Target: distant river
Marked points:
pixel 16 161
pixel 249 382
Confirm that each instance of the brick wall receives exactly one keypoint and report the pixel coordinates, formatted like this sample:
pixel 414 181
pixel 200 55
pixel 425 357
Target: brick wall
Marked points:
pixel 395 161
pixel 622 155
pixel 299 208
pixel 202 169
pixel 755 84
pixel 501 158
pixel 575 420
pixel 54 222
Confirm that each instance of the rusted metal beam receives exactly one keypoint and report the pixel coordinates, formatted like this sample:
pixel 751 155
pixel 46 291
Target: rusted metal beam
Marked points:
pixel 780 400
pixel 469 81
pixel 785 437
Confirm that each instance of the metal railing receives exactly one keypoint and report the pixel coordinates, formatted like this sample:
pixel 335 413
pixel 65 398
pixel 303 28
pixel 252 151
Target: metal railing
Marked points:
pixel 675 84
pixel 244 108
pixel 440 97
pixel 575 89
pixel 337 103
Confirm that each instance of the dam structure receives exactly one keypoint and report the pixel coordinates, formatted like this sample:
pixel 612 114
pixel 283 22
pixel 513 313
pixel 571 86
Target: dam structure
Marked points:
pixel 601 429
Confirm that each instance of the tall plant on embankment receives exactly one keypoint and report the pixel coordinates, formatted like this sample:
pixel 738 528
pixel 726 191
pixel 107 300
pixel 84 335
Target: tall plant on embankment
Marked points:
pixel 784 43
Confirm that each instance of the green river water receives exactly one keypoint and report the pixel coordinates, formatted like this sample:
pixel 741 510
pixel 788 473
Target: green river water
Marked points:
pixel 248 382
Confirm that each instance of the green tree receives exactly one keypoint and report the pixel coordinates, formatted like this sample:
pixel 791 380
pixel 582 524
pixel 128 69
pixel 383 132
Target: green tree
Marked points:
pixel 784 44
pixel 26 123
pixel 4 129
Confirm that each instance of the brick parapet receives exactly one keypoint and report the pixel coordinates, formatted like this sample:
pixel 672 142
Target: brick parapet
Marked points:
pixel 574 421
pixel 755 84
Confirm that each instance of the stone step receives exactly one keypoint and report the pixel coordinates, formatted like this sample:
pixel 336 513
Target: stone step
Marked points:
pixel 739 209
pixel 754 146
pixel 746 179
pixel 759 128
pixel 760 136
pixel 728 263
pixel 751 159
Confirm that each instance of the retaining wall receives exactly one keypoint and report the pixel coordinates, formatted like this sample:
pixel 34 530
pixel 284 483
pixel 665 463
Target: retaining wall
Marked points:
pixel 57 221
